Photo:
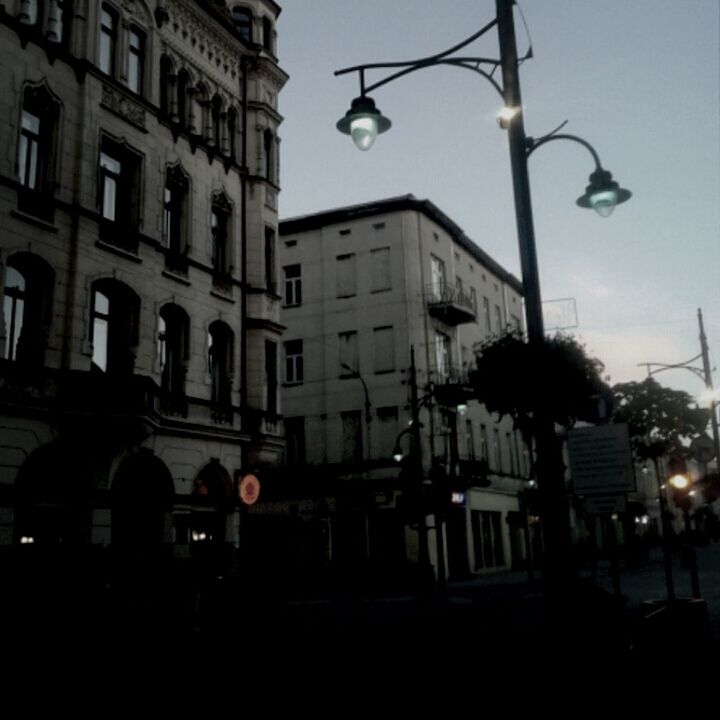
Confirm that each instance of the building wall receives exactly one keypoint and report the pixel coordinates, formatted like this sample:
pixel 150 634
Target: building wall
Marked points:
pixel 61 399
pixel 365 303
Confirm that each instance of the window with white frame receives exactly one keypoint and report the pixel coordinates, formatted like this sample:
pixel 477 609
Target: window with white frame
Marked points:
pixel 293 361
pixel 437 275
pixel 293 285
pixel 136 59
pixel 442 356
pixel 37 142
pixel 108 39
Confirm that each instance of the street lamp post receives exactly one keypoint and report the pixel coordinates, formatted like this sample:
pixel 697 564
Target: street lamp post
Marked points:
pixel 364 122
pixel 704 373
pixel 368 413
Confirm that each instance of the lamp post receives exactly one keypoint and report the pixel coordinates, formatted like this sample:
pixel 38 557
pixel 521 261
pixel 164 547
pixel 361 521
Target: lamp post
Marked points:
pixel 704 373
pixel 368 414
pixel 364 122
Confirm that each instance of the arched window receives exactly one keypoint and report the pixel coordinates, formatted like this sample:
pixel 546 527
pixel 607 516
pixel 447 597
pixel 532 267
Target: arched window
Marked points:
pixel 232 131
pixel 173 355
pixel 166 88
pixel 175 221
pixel 220 362
pixel 183 80
pixel 114 331
pixel 216 134
pixel 27 308
pixel 243 21
pixel 220 215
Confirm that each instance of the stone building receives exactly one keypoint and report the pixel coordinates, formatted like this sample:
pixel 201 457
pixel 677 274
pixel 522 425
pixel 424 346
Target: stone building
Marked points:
pixel 364 289
pixel 139 179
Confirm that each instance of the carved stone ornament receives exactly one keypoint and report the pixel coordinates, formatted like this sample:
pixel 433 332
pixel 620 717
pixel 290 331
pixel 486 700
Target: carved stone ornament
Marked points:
pixel 116 101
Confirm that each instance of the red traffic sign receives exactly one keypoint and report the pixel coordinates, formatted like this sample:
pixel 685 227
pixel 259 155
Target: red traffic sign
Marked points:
pixel 249 489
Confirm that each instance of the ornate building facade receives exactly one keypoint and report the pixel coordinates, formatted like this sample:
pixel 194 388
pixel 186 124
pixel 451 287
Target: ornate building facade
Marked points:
pixel 139 179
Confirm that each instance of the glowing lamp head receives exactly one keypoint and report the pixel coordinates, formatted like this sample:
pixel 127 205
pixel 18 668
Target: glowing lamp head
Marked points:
pixel 679 482
pixel 505 116
pixel 603 194
pixel 363 122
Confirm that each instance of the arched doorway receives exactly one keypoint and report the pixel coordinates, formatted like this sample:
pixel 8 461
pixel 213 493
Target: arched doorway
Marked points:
pixel 143 493
pixel 53 494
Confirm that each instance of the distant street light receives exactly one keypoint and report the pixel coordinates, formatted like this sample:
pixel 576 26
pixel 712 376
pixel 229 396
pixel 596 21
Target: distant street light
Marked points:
pixel 705 374
pixel 364 122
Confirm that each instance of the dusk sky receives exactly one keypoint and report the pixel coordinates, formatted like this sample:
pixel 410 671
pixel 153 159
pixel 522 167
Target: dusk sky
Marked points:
pixel 638 79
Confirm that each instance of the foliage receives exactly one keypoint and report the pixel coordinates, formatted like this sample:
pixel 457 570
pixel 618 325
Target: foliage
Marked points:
pixel 512 377
pixel 660 420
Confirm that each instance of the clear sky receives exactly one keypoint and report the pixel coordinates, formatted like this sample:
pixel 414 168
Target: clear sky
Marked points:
pixel 638 79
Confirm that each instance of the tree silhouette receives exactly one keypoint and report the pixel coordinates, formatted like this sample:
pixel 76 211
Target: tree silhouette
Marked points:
pixel 513 377
pixel 660 420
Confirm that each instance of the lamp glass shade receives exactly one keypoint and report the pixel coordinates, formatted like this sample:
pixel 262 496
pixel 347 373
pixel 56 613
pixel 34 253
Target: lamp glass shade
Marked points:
pixel 603 193
pixel 364 130
pixel 604 201
pixel 363 122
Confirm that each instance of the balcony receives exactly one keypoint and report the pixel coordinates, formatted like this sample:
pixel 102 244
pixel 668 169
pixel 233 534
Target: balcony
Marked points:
pixel 450 304
pixel 451 386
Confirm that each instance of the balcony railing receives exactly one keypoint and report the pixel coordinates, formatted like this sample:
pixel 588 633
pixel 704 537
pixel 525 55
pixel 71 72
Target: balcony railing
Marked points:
pixel 449 304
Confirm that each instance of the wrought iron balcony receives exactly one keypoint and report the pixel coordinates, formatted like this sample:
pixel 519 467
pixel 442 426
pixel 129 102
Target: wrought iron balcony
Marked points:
pixel 450 304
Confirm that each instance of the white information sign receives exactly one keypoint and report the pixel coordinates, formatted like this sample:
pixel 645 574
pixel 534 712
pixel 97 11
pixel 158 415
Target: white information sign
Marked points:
pixel 601 460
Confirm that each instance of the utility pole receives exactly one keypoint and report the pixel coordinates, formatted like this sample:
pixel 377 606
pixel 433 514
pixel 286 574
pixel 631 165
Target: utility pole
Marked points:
pixel 417 468
pixel 709 385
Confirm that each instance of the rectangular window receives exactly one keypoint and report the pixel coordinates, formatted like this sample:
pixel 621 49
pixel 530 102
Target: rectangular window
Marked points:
pixel 293 285
pixel 271 377
pixel 352 437
pixel 515 322
pixel 136 60
pixel 110 174
pixel 437 274
pixel 486 314
pixel 442 356
pixel 101 318
pixel 384 347
pixel 380 269
pixel 295 441
pixel 348 353
pixel 119 190
pixel 473 302
pixel 108 39
pixel 270 274
pixel 294 361
pixel 219 220
pixel 345 279
pixel 28 151
pixel 498 320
